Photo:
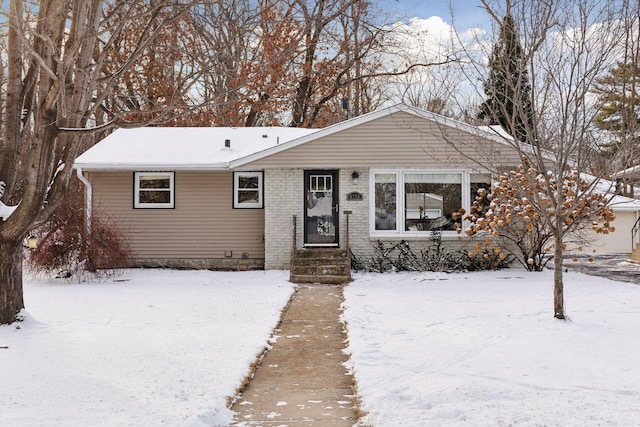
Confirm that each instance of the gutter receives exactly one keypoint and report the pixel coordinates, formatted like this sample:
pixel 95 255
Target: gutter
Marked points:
pixel 140 167
pixel 89 199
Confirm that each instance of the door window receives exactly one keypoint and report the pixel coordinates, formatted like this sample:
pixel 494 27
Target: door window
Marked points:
pixel 320 208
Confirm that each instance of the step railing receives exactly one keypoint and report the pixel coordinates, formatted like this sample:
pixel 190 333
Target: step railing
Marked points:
pixel 347 245
pixel 294 232
pixel 293 241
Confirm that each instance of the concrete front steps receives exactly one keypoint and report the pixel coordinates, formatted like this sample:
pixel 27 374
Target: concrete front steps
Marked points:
pixel 320 265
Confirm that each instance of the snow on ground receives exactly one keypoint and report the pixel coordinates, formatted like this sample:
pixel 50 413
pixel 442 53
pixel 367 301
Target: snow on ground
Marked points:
pixel 482 349
pixel 153 347
pixel 162 347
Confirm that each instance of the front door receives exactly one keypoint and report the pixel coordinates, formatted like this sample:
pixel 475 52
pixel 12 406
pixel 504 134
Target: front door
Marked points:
pixel 321 208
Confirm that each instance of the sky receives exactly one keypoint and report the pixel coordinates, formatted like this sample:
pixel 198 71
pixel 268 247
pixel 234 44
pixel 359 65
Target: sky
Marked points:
pixel 466 13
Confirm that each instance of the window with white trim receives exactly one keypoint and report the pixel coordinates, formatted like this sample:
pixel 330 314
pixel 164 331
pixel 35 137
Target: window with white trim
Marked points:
pixel 410 202
pixel 430 200
pixel 154 190
pixel 385 201
pixel 247 190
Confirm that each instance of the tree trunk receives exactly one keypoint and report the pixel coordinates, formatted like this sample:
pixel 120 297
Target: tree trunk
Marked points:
pixel 558 286
pixel 11 301
pixel 298 112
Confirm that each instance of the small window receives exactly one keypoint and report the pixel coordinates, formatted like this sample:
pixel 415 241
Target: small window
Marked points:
pixel 385 185
pixel 247 190
pixel 154 190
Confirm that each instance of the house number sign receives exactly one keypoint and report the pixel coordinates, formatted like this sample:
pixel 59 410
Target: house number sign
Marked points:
pixel 354 196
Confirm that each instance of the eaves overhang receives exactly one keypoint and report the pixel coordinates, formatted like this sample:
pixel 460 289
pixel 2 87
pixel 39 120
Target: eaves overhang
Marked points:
pixel 142 167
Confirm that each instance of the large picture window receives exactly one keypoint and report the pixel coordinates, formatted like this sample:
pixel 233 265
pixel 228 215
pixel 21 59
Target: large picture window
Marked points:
pixel 415 201
pixel 477 182
pixel 247 190
pixel 430 199
pixel 154 190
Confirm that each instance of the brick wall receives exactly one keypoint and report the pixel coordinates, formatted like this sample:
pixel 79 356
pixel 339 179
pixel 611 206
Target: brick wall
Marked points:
pixel 359 219
pixel 282 199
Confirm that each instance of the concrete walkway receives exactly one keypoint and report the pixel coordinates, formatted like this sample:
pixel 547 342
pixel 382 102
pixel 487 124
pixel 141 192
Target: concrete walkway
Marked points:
pixel 302 381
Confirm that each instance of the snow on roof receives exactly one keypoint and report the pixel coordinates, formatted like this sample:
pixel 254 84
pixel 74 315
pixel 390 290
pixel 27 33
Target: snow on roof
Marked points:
pixel 623 203
pixel 182 148
pixel 497 130
pixel 631 172
pixel 603 186
pixel 608 188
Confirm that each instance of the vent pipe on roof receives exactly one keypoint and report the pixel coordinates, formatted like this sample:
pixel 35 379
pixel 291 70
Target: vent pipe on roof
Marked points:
pixel 227 143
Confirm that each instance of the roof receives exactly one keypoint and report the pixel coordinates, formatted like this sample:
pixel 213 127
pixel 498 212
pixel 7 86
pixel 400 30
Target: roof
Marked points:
pixel 365 118
pixel 623 203
pixel 192 148
pixel 203 148
pixel 182 148
pixel 632 172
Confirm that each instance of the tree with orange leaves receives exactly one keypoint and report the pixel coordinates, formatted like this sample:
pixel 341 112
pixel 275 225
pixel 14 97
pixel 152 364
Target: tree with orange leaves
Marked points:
pixel 154 86
pixel 285 62
pixel 566 45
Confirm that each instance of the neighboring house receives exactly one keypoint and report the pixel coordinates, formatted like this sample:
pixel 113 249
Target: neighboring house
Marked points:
pixel 627 181
pixel 622 241
pixel 626 186
pixel 227 197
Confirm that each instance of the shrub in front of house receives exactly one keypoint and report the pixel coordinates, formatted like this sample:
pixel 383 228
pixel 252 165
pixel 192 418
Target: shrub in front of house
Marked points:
pixel 436 257
pixel 66 248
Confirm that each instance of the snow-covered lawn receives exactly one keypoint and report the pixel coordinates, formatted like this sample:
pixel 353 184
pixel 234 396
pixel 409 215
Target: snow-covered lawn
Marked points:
pixel 482 349
pixel 162 347
pixel 157 347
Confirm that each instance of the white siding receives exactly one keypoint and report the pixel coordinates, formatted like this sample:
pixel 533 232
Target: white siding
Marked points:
pixel 618 242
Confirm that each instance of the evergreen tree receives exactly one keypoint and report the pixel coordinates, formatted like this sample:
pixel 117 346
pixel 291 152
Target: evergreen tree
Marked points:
pixel 619 110
pixel 507 88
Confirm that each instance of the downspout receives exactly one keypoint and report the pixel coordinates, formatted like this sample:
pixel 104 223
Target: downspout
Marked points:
pixel 88 200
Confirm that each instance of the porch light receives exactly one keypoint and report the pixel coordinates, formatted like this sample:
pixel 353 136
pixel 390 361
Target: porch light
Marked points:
pixel 32 242
pixel 354 177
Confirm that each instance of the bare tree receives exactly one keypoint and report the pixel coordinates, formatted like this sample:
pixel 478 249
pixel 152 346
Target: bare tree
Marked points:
pixel 436 87
pixel 566 46
pixel 56 81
